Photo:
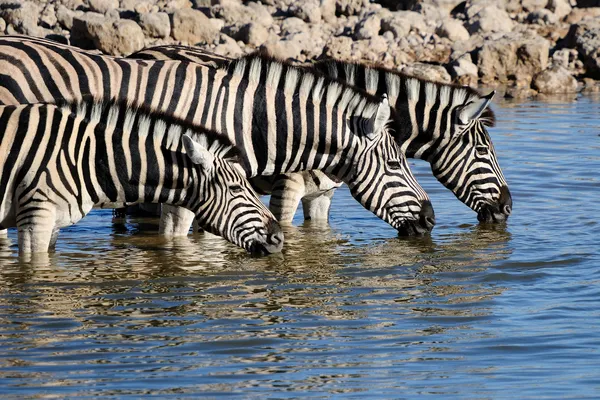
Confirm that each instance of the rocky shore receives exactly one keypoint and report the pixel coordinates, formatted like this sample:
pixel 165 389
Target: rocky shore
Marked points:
pixel 533 47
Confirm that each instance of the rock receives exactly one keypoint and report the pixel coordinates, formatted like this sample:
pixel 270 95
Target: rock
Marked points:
pixel 578 14
pixel 369 27
pixel 560 8
pixel 350 7
pixel 22 15
pixel 590 86
pixel 542 17
pixel 282 49
pixel 236 14
pixel 585 37
pixel 65 16
pixel 178 4
pixel 103 6
pixel 463 66
pixel 490 19
pixel 253 34
pixel 309 11
pixel 521 93
pixel 228 47
pixel 430 72
pixel 453 30
pixel 328 10
pixel 555 79
pixel 512 57
pixel 339 47
pixel 192 26
pixel 533 5
pixel 293 25
pixel 155 24
pixel 114 37
pixel 568 58
pixel 401 23
pixel 48 16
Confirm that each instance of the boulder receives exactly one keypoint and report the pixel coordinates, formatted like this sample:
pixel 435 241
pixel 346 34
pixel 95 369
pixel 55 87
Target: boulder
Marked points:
pixel 253 34
pixel 192 26
pixel 490 19
pixel 585 38
pixel 401 23
pixel 155 24
pixel 103 6
pixel 368 27
pixel 114 37
pixel 65 16
pixel 350 7
pixel 309 11
pixel 560 8
pixel 453 30
pixel 48 16
pixel 430 72
pixel 339 47
pixel 463 70
pixel 22 15
pixel 555 79
pixel 533 5
pixel 512 57
pixel 542 17
pixel 328 10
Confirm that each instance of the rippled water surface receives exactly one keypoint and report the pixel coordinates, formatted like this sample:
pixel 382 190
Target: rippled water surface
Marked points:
pixel 350 310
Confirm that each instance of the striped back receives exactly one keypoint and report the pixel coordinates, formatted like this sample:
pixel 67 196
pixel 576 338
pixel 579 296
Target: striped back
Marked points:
pixel 67 158
pixel 444 125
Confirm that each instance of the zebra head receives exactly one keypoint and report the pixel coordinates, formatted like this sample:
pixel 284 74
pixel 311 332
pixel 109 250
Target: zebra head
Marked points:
pixel 381 180
pixel 227 205
pixel 466 162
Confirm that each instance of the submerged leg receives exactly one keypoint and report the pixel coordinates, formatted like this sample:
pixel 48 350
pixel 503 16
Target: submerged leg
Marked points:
pixel 36 227
pixel 317 208
pixel 175 221
pixel 287 191
pixel 3 232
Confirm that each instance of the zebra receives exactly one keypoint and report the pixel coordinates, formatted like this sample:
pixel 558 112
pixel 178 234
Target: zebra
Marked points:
pixel 283 119
pixel 58 161
pixel 442 124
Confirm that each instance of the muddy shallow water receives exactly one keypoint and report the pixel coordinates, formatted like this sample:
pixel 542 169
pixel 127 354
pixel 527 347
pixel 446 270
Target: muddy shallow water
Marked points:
pixel 348 310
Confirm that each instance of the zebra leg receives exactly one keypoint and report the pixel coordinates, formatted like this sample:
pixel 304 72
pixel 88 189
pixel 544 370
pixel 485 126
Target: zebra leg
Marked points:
pixel 35 230
pixel 287 191
pixel 53 239
pixel 317 208
pixel 175 221
pixel 3 232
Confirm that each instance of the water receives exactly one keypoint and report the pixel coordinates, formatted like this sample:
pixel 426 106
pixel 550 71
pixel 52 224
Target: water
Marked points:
pixel 474 311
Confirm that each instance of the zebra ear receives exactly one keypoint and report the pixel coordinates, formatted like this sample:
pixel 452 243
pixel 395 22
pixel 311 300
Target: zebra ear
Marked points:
pixel 198 154
pixel 380 118
pixel 474 109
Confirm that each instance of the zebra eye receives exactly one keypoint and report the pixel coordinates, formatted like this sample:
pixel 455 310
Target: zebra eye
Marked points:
pixel 236 189
pixel 394 164
pixel 481 150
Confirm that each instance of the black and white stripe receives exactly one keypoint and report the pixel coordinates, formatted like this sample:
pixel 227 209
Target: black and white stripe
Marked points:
pixel 282 118
pixel 426 123
pixel 57 162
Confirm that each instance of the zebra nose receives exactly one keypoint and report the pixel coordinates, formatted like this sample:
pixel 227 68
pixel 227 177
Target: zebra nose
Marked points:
pixel 505 201
pixel 427 216
pixel 274 238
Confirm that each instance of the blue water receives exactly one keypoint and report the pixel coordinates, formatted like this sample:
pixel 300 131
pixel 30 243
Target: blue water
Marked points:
pixel 347 311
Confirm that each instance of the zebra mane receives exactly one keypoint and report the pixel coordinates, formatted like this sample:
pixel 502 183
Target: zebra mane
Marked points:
pixel 488 117
pixel 264 69
pixel 123 115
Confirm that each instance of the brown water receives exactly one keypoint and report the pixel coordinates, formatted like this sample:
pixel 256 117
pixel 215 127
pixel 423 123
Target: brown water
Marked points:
pixel 348 310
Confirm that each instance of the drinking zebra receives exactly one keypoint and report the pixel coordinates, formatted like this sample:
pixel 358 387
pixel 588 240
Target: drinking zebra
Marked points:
pixel 57 162
pixel 442 124
pixel 283 119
